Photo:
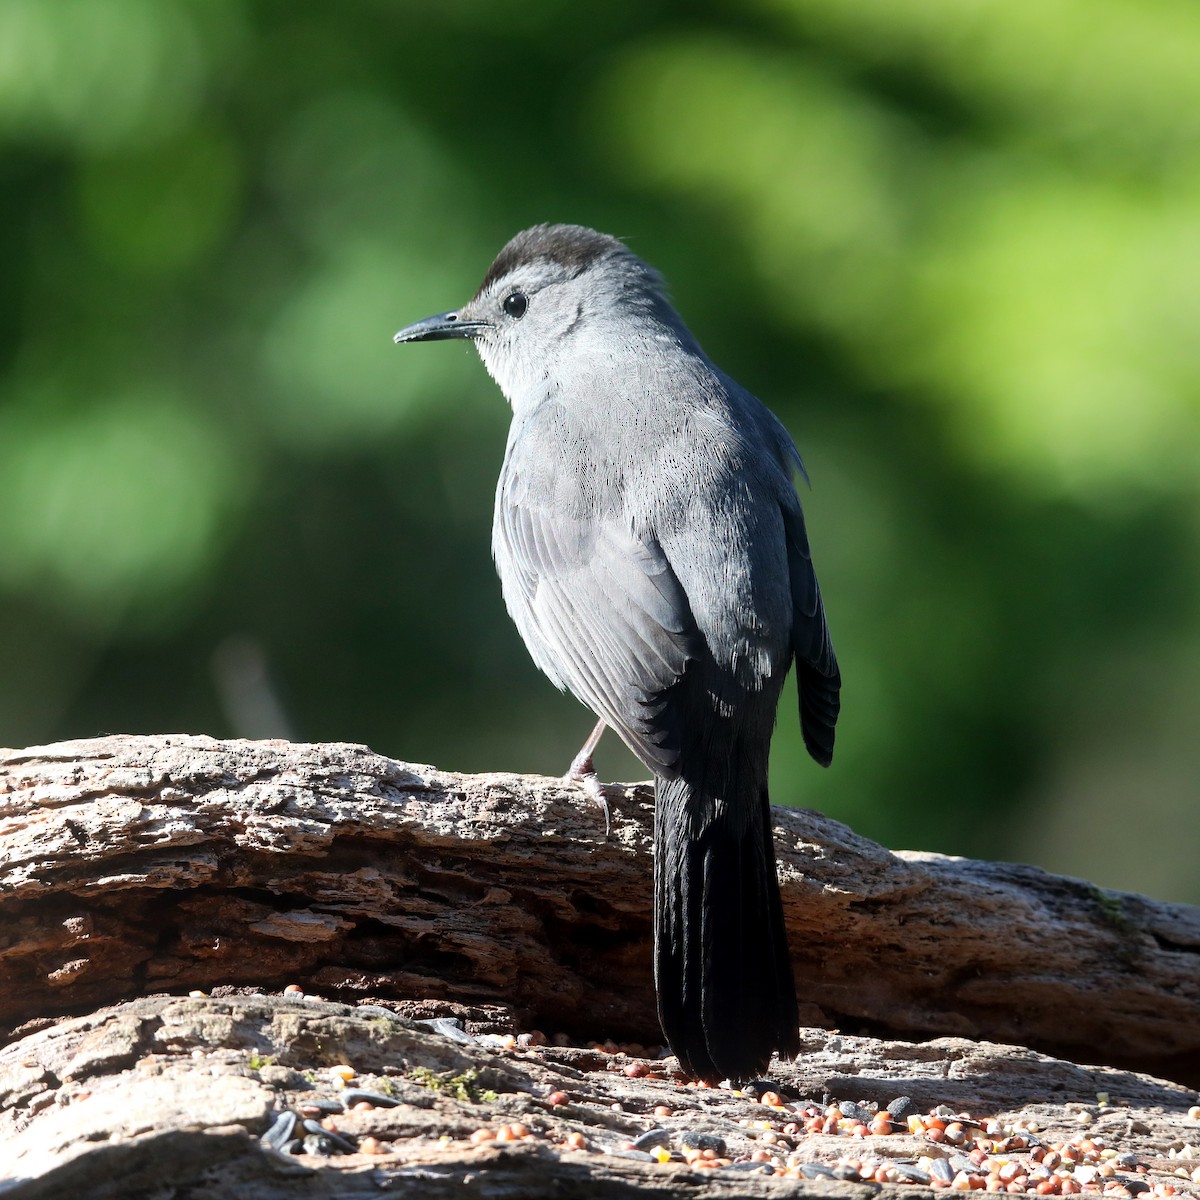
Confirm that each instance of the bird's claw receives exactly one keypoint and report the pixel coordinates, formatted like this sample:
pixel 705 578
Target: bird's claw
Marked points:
pixel 582 771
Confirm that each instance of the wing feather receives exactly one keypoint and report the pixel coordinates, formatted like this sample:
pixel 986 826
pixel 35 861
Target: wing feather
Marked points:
pixel 818 678
pixel 602 614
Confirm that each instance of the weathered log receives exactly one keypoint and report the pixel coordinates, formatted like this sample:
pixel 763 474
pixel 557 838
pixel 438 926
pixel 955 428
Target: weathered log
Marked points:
pixel 136 865
pixel 171 1096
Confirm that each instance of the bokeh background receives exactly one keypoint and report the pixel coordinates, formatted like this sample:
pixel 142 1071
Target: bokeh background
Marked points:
pixel 955 244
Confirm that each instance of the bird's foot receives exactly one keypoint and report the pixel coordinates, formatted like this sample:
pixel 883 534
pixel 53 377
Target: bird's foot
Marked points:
pixel 582 771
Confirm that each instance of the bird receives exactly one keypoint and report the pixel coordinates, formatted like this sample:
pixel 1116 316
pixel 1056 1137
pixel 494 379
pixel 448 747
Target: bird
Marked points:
pixel 653 555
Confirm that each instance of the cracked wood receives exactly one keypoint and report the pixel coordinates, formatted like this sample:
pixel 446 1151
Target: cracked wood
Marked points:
pixel 135 865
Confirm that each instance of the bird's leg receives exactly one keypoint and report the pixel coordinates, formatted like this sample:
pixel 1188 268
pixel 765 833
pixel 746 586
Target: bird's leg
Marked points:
pixel 581 765
pixel 582 771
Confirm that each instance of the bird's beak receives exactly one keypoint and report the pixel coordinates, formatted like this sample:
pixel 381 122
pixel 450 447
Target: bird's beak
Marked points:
pixel 444 325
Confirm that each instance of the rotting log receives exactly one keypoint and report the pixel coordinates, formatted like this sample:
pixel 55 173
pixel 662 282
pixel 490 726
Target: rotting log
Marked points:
pixel 132 866
pixel 171 1096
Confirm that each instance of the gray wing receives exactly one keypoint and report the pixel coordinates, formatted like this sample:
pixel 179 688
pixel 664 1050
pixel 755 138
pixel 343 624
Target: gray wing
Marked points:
pixel 818 678
pixel 601 612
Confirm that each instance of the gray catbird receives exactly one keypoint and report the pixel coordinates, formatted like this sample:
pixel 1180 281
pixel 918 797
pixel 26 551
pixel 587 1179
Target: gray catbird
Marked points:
pixel 653 555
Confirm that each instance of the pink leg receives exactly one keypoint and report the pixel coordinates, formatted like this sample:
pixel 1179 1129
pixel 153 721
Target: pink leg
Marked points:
pixel 582 771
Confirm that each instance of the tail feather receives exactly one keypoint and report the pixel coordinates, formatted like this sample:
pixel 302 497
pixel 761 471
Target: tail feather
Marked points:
pixel 723 974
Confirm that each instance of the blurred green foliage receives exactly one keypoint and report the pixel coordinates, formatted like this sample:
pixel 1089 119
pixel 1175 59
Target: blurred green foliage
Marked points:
pixel 953 243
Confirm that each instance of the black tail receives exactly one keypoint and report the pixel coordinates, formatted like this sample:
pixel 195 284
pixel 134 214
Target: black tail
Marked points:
pixel 726 996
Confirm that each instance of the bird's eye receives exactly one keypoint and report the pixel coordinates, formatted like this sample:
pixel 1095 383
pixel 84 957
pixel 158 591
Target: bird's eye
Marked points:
pixel 516 304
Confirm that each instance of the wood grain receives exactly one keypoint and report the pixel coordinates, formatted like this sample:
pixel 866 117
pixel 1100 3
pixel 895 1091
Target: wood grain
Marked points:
pixel 140 865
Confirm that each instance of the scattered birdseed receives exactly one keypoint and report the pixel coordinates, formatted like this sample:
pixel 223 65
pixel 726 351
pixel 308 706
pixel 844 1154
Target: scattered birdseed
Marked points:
pixel 449 1027
pixel 813 1171
pixel 695 1139
pixel 281 1130
pixel 320 1108
pixel 758 1168
pixel 357 1096
pixel 497 1041
pixel 652 1139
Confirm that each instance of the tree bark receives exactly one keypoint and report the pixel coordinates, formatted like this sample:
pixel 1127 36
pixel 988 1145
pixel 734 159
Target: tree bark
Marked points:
pixel 168 1097
pixel 139 865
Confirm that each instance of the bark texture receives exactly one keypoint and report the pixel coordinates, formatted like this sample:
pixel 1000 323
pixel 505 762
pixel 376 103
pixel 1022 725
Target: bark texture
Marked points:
pixel 168 1098
pixel 131 867
pixel 137 865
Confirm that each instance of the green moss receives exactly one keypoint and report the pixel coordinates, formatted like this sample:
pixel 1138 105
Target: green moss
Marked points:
pixel 463 1086
pixel 1111 907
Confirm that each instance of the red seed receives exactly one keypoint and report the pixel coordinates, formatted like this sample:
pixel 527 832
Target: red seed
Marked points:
pixel 555 1099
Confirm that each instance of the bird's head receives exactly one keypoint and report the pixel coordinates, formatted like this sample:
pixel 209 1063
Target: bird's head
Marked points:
pixel 557 299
